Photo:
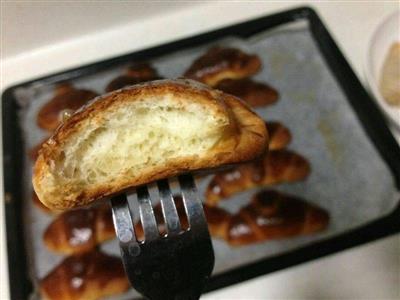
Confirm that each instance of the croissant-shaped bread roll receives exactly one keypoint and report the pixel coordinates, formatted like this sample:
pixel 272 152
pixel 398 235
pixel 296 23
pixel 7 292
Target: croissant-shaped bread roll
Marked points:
pixel 87 276
pixel 275 167
pixel 137 73
pixel 79 230
pixel 274 215
pixel 220 63
pixel 67 98
pixel 256 94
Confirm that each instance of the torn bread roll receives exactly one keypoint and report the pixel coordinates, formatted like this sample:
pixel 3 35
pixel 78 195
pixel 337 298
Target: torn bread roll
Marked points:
pixel 144 133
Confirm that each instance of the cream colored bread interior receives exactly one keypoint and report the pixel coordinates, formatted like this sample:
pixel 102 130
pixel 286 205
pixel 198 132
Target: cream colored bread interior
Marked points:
pixel 138 135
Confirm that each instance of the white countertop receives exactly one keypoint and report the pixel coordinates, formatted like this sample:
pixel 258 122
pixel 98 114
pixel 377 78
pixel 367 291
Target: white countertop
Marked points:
pixel 39 38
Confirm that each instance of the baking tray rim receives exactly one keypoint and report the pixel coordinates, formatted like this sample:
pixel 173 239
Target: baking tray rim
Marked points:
pixel 365 109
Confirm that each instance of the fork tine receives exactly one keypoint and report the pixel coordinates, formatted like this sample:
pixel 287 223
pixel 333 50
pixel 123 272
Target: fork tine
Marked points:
pixel 169 211
pixel 122 219
pixel 146 212
pixel 192 203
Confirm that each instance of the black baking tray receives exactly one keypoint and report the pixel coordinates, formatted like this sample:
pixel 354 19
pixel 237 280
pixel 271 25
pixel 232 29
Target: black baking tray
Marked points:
pixel 366 110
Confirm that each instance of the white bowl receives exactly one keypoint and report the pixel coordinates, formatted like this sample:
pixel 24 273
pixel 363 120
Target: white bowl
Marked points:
pixel 387 33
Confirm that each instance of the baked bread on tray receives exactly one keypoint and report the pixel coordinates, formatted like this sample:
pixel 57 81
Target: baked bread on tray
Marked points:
pixel 256 94
pixel 276 167
pixel 134 74
pixel 143 133
pixel 220 63
pixel 270 215
pixel 79 230
pixel 89 276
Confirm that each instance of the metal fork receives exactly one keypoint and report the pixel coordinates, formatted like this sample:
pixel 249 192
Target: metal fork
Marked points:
pixel 174 266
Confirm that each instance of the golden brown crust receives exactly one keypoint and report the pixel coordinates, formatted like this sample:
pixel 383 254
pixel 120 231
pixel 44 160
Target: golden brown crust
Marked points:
pixel 274 168
pixel 220 63
pixel 88 276
pixel 256 94
pixel 217 220
pixel 79 230
pixel 274 215
pixel 66 98
pixel 137 73
pixel 246 140
pixel 279 135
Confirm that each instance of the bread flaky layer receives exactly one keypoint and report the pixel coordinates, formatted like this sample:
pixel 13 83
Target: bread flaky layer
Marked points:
pixel 143 133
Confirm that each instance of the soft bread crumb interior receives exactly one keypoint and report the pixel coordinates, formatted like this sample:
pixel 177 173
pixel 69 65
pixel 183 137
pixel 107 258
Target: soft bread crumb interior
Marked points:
pixel 139 135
